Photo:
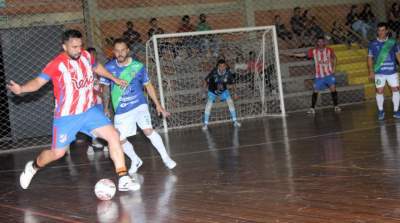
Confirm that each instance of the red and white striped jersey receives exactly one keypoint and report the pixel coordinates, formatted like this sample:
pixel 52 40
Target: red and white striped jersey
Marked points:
pixel 323 61
pixel 73 82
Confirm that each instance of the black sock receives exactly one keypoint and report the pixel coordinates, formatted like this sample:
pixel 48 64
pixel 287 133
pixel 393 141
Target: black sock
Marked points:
pixel 334 98
pixel 314 99
pixel 35 165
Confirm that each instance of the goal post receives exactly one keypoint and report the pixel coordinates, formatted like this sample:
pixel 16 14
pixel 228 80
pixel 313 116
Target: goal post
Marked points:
pixel 180 62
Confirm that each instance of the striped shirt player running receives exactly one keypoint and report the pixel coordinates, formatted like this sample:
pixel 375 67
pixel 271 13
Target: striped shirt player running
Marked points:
pixel 382 55
pixel 325 64
pixel 71 73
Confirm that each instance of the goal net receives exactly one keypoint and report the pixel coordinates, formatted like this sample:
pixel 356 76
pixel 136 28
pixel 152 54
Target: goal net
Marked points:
pixel 178 64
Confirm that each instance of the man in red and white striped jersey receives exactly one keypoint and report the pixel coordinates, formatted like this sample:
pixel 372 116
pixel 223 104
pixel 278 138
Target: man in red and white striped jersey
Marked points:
pixel 71 73
pixel 325 64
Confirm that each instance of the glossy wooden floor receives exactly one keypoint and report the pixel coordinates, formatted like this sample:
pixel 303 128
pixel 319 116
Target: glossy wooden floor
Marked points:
pixel 327 168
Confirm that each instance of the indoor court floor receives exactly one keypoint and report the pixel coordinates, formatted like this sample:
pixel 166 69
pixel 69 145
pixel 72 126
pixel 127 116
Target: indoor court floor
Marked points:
pixel 325 168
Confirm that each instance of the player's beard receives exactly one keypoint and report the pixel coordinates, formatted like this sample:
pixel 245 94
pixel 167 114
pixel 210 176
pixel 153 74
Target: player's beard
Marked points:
pixel 75 56
pixel 122 59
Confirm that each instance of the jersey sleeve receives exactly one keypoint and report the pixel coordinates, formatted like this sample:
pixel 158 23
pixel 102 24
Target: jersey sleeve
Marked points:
pixel 104 81
pixel 207 78
pixel 397 48
pixel 310 53
pixel 370 50
pixel 50 71
pixel 90 58
pixel 231 77
pixel 144 77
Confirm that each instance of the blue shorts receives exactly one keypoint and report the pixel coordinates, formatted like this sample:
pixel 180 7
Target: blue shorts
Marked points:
pixel 66 127
pixel 323 83
pixel 225 95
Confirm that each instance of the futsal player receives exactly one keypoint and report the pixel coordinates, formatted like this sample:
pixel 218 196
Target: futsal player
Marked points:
pixel 71 73
pixel 130 104
pixel 325 66
pixel 217 82
pixel 382 55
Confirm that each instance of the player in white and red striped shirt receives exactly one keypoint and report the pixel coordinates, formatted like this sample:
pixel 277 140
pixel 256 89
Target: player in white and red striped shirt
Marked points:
pixel 71 73
pixel 325 64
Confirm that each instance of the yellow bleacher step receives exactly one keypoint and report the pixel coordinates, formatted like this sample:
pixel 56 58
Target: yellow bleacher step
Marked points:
pixel 357 73
pixel 356 53
pixel 358 80
pixel 339 47
pixel 352 66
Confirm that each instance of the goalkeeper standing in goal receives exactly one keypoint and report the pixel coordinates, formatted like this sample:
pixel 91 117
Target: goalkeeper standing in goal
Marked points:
pixel 217 82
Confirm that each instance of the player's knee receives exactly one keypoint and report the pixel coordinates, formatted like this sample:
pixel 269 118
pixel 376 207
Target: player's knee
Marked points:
pixel 58 153
pixel 147 132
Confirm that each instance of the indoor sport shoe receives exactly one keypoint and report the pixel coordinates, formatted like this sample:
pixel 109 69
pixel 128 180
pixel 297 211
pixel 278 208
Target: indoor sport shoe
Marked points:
pixel 381 115
pixel 311 111
pixel 135 166
pixel 27 175
pixel 396 114
pixel 90 150
pixel 169 163
pixel 126 183
pixel 237 124
pixel 205 127
pixel 337 109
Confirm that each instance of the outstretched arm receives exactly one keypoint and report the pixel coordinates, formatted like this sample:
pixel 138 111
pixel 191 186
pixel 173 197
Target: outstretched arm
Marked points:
pixel 152 93
pixel 100 70
pixel 31 86
pixel 298 55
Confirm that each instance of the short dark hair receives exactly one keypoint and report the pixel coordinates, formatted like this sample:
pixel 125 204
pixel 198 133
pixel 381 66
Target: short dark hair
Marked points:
pixel 71 33
pixel 382 24
pixel 320 37
pixel 91 49
pixel 153 19
pixel 221 61
pixel 185 17
pixel 120 40
pixel 129 23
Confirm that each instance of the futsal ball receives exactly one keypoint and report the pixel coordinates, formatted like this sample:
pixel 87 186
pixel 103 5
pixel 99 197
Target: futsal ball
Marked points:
pixel 105 189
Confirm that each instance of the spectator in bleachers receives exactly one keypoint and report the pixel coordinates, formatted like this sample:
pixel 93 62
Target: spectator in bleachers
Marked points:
pixel 338 34
pixel 209 41
pixel 281 29
pixel 134 39
pixel 186 26
pixel 312 31
pixel 368 16
pixel 394 18
pixel 298 26
pixel 163 45
pixel 188 42
pixel 354 21
pixel 154 28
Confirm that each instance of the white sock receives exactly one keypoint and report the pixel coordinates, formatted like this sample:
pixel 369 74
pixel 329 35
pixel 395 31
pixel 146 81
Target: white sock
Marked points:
pixel 379 101
pixel 130 152
pixel 157 142
pixel 396 100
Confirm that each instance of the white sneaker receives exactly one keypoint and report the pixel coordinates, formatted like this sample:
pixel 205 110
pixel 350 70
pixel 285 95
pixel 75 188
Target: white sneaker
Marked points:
pixel 126 183
pixel 237 124
pixel 27 175
pixel 311 111
pixel 105 149
pixel 169 163
pixel 135 166
pixel 90 150
pixel 205 127
pixel 337 109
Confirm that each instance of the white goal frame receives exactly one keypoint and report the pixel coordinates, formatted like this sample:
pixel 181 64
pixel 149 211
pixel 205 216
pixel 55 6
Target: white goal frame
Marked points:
pixel 157 37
